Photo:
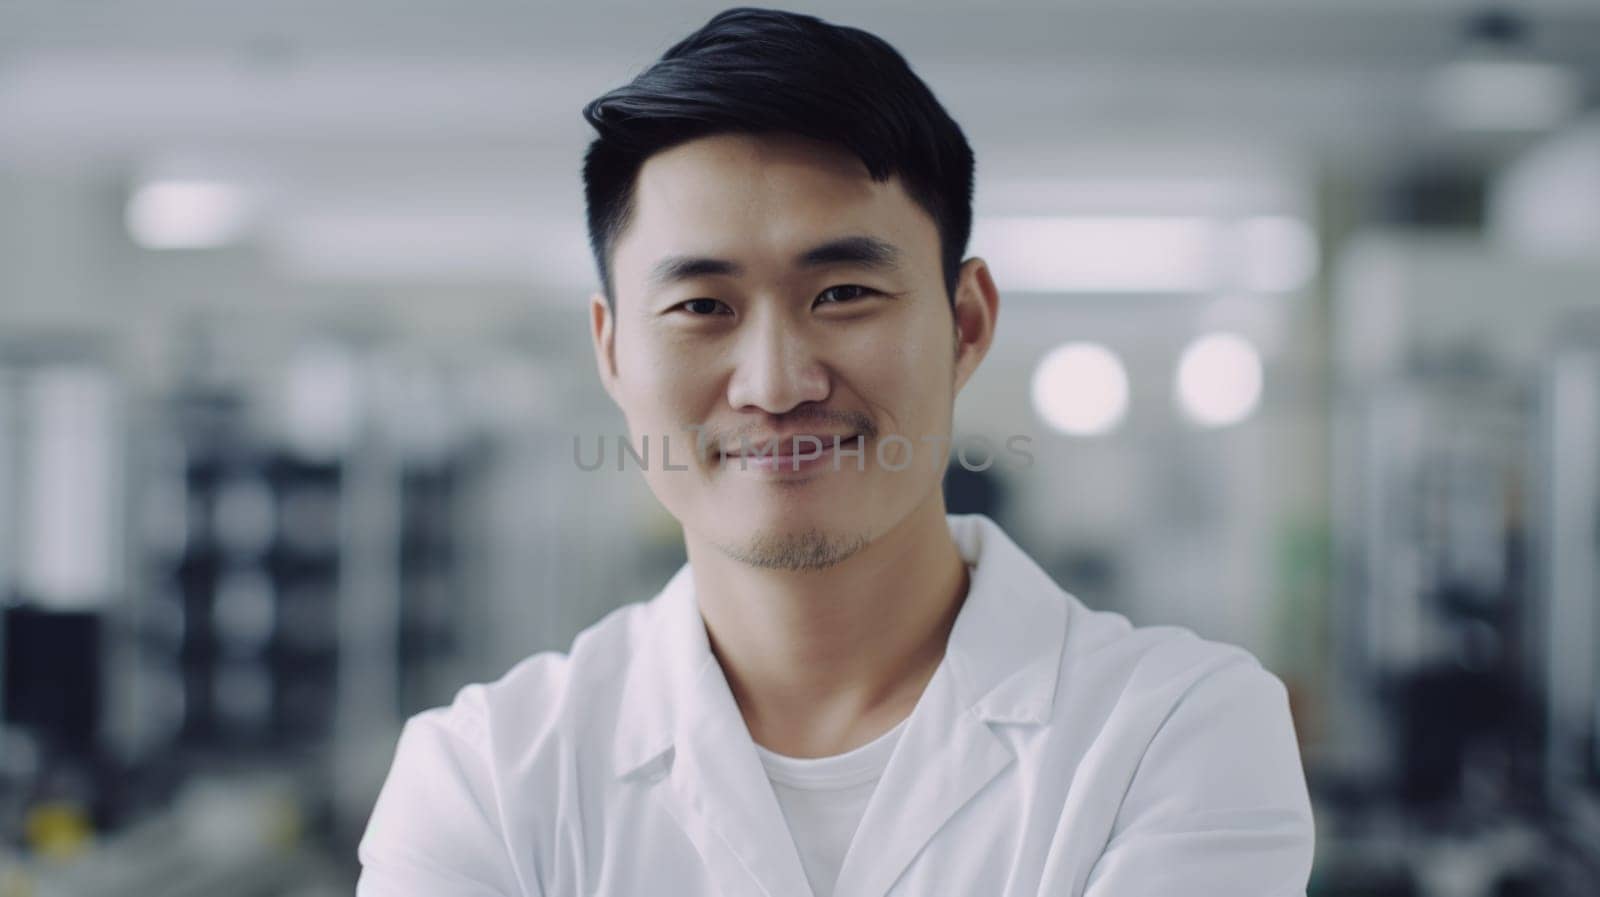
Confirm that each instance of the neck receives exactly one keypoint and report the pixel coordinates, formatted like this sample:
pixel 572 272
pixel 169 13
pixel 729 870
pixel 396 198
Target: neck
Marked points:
pixel 822 661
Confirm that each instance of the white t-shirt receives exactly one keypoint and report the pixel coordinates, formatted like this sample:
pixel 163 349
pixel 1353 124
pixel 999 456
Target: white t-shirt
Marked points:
pixel 823 800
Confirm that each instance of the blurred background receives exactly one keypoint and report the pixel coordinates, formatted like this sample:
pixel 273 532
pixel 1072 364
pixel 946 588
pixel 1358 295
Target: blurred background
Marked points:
pixel 1301 310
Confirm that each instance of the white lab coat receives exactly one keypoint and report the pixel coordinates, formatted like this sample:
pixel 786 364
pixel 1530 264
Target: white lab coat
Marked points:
pixel 1056 750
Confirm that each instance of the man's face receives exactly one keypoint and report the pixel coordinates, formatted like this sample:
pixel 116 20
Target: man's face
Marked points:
pixel 767 287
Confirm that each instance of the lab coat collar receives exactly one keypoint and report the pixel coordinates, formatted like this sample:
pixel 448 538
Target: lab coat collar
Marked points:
pixel 1004 651
pixel 681 731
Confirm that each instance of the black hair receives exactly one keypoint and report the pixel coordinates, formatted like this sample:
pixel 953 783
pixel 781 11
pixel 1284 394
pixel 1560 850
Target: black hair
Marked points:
pixel 768 71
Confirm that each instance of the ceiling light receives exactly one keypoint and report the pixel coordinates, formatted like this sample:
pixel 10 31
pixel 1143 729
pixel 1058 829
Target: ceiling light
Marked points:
pixel 1219 380
pixel 1081 389
pixel 187 214
pixel 1100 254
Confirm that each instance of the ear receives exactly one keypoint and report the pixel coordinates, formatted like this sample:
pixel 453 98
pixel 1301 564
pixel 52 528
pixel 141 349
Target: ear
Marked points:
pixel 603 332
pixel 976 310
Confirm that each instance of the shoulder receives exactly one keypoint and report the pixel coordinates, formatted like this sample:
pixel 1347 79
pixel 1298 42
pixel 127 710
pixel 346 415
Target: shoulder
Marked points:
pixel 1179 722
pixel 447 807
pixel 1156 661
pixel 548 695
pixel 456 798
pixel 1192 741
pixel 1103 657
pixel 1129 689
pixel 1185 760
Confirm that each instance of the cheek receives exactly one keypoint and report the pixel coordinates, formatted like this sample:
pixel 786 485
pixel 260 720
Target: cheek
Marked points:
pixel 904 371
pixel 661 382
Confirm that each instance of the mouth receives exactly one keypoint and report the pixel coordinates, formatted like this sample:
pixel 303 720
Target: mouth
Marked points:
pixel 797 447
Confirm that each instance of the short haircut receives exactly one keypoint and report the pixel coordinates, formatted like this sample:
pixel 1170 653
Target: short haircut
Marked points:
pixel 757 71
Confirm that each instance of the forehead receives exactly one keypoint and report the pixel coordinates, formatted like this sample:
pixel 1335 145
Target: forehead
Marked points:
pixel 759 198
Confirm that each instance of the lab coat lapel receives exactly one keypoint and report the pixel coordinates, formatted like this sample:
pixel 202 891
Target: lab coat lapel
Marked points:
pixel 724 800
pixel 1001 666
pixel 680 710
pixel 945 756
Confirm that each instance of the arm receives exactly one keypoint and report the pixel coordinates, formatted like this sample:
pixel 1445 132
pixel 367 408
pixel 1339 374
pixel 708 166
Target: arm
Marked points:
pixel 1218 806
pixel 435 831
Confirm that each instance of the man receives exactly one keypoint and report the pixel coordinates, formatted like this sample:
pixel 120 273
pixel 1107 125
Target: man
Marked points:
pixel 844 691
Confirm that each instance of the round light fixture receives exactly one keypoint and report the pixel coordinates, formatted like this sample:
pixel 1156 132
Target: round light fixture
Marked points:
pixel 1081 389
pixel 1219 380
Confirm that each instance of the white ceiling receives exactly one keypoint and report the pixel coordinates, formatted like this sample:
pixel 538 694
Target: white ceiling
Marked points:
pixel 359 110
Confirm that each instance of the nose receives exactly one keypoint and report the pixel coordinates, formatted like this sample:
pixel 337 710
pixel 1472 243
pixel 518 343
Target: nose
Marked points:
pixel 777 368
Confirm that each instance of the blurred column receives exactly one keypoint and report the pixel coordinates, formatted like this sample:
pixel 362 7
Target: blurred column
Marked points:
pixel 71 492
pixel 1569 494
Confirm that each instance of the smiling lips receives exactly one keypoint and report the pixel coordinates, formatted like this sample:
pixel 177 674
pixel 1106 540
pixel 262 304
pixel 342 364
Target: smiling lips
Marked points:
pixel 794 444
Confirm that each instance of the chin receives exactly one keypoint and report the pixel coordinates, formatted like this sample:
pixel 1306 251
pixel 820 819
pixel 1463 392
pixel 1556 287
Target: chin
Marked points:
pixel 795 548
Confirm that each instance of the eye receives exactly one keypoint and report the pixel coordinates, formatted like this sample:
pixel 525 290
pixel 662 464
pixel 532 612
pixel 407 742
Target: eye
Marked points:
pixel 843 293
pixel 701 308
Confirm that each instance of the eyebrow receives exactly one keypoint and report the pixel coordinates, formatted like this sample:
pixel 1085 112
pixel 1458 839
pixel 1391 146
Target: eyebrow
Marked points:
pixel 864 252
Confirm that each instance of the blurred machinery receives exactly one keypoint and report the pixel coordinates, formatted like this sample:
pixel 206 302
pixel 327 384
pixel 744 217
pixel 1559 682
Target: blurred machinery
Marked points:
pixel 209 594
pixel 1466 657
